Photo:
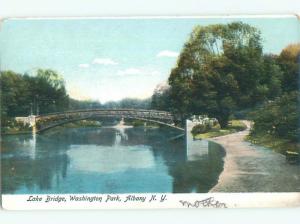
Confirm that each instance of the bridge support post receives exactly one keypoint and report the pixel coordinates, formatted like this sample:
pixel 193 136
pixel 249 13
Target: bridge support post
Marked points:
pixel 34 129
pixel 32 122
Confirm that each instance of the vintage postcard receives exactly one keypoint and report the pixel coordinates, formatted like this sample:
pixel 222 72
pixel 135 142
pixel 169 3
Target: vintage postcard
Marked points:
pixel 150 112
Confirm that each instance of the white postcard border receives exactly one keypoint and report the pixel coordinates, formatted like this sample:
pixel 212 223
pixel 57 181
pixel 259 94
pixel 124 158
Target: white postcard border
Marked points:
pixel 149 201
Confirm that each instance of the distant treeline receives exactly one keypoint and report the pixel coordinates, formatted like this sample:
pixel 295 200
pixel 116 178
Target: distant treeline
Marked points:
pixel 222 71
pixel 129 103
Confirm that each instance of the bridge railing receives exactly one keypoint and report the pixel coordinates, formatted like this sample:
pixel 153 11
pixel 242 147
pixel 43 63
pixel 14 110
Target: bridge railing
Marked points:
pixel 102 109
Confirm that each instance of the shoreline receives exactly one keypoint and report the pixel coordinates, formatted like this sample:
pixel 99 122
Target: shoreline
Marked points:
pixel 81 126
pixel 230 167
pixel 16 133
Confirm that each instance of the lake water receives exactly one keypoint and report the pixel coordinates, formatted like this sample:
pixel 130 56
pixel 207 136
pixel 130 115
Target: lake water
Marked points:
pixel 107 160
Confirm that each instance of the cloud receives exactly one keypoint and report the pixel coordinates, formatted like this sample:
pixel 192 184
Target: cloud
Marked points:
pixel 104 61
pixel 129 71
pixel 137 71
pixel 83 65
pixel 166 53
pixel 99 61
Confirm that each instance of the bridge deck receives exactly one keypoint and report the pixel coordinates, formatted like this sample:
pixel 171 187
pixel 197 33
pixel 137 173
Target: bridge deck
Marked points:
pixel 48 121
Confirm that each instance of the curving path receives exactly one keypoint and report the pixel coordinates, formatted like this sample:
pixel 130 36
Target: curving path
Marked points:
pixel 250 168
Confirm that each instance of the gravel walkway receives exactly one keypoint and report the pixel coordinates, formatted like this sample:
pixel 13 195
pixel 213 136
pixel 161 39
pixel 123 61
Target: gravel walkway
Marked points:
pixel 251 168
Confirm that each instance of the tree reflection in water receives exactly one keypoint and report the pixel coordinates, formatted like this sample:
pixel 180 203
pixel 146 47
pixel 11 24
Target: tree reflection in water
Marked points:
pixel 24 164
pixel 45 164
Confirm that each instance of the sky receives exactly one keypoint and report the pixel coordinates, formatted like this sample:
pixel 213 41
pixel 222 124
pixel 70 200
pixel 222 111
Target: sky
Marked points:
pixel 110 59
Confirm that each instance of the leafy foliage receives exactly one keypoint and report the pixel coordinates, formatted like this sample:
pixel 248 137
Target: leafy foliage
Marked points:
pixel 276 123
pixel 200 128
pixel 23 94
pixel 288 61
pixel 83 104
pixel 279 118
pixel 160 98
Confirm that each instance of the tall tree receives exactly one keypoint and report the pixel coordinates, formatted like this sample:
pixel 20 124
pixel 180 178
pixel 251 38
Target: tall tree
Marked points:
pixel 289 60
pixel 218 71
pixel 15 95
pixel 48 91
pixel 160 97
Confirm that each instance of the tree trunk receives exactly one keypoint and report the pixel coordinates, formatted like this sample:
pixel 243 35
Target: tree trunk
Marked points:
pixel 223 121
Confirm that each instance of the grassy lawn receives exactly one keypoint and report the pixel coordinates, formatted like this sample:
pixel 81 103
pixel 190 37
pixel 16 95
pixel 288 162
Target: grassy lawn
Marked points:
pixel 15 130
pixel 277 144
pixel 140 123
pixel 233 126
pixel 80 123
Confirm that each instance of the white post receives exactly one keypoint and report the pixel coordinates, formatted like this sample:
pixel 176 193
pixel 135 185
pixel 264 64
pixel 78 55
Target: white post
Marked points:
pixel 32 122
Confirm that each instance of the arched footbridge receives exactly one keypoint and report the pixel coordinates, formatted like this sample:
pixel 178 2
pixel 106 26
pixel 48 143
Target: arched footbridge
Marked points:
pixel 48 121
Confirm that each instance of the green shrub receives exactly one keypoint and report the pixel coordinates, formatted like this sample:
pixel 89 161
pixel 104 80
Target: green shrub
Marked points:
pixel 200 128
pixel 279 118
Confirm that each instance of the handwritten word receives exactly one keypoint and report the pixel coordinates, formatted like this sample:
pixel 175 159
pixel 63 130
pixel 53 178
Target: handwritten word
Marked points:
pixel 205 203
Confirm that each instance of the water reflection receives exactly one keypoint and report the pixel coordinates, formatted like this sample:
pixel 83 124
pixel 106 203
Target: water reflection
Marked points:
pixel 106 160
pixel 199 175
pixel 26 176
